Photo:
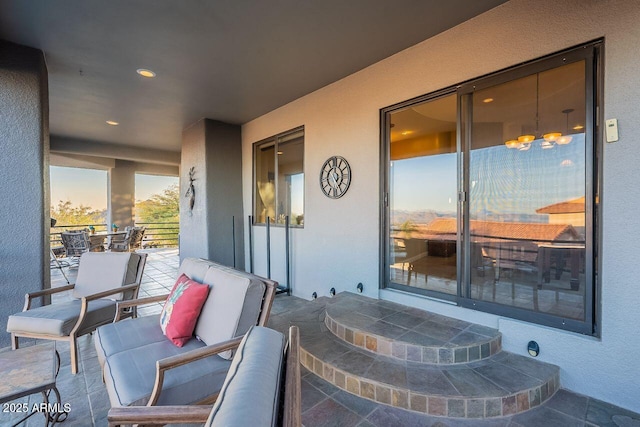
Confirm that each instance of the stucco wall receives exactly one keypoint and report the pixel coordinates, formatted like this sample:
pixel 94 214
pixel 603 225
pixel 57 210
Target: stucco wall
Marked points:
pixel 193 222
pixel 339 243
pixel 24 174
pixel 213 148
pixel 224 192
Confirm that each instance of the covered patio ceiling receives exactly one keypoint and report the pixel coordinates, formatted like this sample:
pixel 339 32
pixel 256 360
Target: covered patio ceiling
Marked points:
pixel 225 59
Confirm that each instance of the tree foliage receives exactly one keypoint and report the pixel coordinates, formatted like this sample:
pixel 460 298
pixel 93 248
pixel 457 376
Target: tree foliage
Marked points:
pixel 159 210
pixel 407 228
pixel 162 207
pixel 67 214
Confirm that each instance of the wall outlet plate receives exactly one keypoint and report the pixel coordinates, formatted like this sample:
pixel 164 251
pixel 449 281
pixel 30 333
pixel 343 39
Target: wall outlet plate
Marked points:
pixel 611 130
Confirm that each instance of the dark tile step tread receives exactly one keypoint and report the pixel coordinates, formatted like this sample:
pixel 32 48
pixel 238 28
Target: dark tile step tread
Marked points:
pixel 406 324
pixel 504 384
pixel 500 375
pixel 407 333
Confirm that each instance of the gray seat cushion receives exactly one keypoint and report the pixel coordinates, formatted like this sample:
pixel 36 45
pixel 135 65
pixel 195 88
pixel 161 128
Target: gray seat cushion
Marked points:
pixel 58 319
pixel 127 334
pixel 130 375
pixel 251 390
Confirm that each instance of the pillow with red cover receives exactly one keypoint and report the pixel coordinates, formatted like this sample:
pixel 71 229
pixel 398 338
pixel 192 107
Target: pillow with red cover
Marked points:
pixel 182 308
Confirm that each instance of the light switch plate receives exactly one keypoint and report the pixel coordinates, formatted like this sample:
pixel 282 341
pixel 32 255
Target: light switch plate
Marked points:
pixel 611 130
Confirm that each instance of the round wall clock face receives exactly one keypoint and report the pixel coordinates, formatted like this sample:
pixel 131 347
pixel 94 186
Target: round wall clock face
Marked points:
pixel 335 177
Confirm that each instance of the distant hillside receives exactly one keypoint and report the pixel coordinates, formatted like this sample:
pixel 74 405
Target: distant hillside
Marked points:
pixel 426 216
pixel 417 217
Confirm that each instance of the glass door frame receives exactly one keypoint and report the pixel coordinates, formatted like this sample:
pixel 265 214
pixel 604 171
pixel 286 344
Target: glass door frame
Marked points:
pixel 592 54
pixel 385 161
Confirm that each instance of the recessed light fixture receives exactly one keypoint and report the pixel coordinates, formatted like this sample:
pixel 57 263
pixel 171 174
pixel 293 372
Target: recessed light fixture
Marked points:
pixel 487 100
pixel 145 73
pixel 112 123
pixel 407 132
pixel 279 153
pixel 578 127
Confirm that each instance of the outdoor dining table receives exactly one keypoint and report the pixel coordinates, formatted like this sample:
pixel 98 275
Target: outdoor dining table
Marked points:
pixel 97 240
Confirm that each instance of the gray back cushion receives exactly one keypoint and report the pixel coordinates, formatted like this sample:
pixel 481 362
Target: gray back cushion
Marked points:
pixel 251 390
pixel 101 271
pixel 221 313
pixel 195 268
pixel 253 300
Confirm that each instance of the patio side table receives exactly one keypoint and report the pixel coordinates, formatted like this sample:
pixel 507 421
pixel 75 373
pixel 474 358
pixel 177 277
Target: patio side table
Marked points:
pixel 27 371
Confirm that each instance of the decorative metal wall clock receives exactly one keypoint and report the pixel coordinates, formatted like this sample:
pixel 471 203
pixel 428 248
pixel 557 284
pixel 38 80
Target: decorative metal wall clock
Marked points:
pixel 335 177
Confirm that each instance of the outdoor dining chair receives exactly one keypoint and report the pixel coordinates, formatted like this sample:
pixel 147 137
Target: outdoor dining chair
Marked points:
pixel 131 241
pixel 103 280
pixel 75 244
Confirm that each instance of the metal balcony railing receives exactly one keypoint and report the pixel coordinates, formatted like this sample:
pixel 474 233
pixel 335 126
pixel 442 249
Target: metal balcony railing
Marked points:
pixel 157 234
pixel 160 234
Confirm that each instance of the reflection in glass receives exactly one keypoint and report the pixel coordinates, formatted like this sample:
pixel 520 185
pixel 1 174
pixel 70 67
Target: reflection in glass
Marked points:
pixel 527 193
pixel 279 179
pixel 422 196
pixel 265 189
pixel 291 178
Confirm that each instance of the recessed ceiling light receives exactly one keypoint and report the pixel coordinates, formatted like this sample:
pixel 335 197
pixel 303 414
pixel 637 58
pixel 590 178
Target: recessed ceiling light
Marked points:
pixel 145 73
pixel 112 123
pixel 279 153
pixel 487 100
pixel 407 132
pixel 578 127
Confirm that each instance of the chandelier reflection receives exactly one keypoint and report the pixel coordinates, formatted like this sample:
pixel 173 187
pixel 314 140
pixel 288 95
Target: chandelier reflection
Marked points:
pixel 547 141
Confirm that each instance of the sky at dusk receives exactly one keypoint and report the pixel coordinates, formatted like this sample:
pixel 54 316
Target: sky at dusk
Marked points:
pixel 502 180
pixel 88 187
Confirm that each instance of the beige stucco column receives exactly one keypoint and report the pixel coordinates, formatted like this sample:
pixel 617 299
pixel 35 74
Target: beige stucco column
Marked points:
pixel 121 194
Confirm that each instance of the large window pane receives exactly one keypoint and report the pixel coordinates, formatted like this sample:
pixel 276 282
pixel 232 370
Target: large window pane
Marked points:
pixel 423 196
pixel 279 179
pixel 291 178
pixel 526 183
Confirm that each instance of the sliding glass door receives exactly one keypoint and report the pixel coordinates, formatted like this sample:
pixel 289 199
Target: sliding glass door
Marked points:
pixel 423 197
pixel 491 192
pixel 528 180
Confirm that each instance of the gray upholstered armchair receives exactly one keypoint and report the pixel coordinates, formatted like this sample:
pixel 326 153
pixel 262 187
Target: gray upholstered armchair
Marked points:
pixel 262 388
pixel 103 279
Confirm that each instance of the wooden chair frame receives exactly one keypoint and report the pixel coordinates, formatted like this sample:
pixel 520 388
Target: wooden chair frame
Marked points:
pixel 84 305
pixel 290 406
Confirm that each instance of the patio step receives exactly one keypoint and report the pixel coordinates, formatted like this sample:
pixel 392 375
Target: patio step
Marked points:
pixel 498 385
pixel 408 334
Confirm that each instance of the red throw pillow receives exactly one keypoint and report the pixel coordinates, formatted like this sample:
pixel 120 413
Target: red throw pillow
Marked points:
pixel 182 308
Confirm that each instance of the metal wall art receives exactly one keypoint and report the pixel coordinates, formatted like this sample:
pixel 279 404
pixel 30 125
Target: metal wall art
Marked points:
pixel 191 191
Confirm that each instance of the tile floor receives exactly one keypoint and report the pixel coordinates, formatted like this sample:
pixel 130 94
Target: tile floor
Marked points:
pixel 322 403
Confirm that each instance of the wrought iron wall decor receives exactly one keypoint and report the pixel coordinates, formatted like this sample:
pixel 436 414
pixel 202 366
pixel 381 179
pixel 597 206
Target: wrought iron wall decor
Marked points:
pixel 191 191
